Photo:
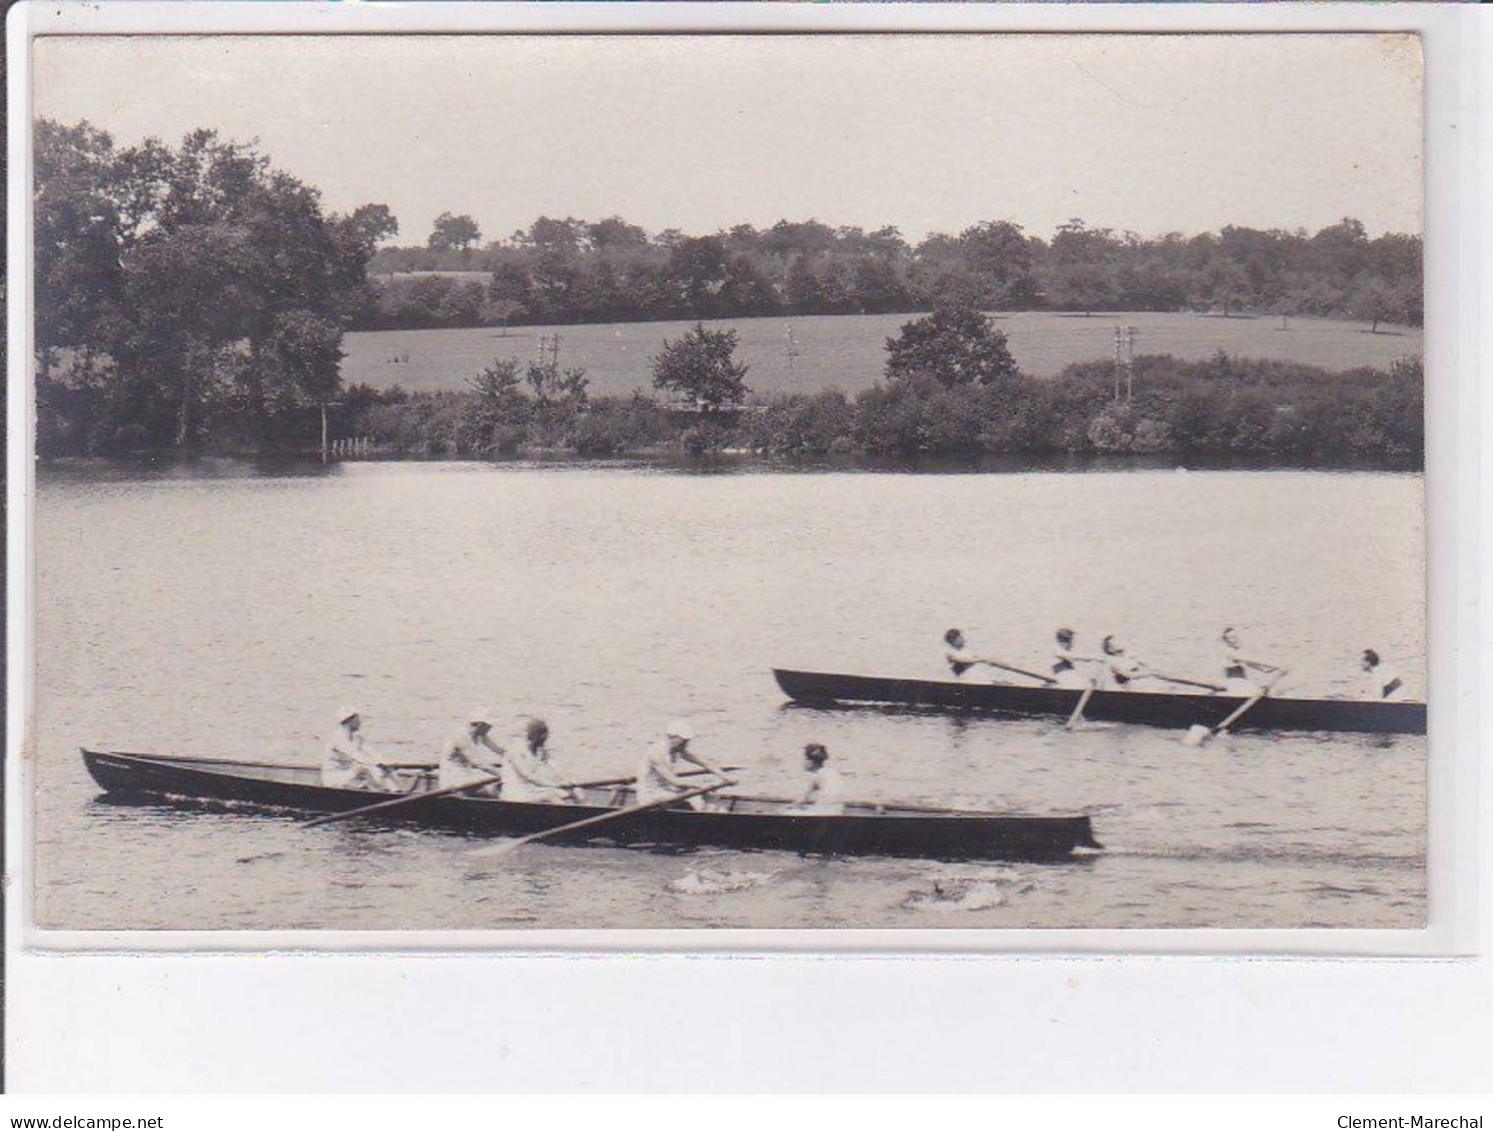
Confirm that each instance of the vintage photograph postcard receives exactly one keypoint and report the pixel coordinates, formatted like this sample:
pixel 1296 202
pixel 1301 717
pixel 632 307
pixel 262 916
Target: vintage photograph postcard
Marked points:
pixel 730 481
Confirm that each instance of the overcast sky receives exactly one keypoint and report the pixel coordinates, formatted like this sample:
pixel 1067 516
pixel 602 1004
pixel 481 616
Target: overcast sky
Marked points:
pixel 932 133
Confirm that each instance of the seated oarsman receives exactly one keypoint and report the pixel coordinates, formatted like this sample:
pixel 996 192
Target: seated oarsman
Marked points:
pixel 472 755
pixel 349 763
pixel 958 655
pixel 658 773
pixel 1123 670
pixel 1242 675
pixel 1069 668
pixel 824 794
pixel 527 774
pixel 1381 681
pixel 962 660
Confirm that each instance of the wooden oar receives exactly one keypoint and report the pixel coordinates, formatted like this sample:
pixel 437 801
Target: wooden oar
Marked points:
pixel 402 799
pixel 1190 682
pixel 495 850
pixel 1197 735
pixel 1083 701
pixel 601 782
pixel 1019 671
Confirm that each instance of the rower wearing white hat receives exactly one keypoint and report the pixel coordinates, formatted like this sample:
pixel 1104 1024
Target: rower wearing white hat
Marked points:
pixel 658 776
pixel 472 756
pixel 349 763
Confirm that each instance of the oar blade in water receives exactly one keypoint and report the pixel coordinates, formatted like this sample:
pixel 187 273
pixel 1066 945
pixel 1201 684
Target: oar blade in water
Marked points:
pixel 1197 735
pixel 494 851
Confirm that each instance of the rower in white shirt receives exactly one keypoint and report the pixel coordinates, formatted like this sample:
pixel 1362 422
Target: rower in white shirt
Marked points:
pixel 658 776
pixel 349 763
pixel 962 661
pixel 1123 669
pixel 824 794
pixel 1381 681
pixel 472 755
pixel 527 774
pixel 1069 668
pixel 959 657
pixel 1242 675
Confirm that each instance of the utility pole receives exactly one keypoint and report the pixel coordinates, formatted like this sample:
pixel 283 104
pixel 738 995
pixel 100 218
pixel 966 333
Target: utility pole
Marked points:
pixel 1125 360
pixel 549 344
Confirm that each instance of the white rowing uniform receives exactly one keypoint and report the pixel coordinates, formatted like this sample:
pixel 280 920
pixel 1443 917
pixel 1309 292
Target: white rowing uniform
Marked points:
pixel 349 764
pixel 652 785
pixel 961 661
pixel 1383 683
pixel 1236 679
pixel 527 778
pixel 467 759
pixel 1123 671
pixel 825 796
pixel 1069 669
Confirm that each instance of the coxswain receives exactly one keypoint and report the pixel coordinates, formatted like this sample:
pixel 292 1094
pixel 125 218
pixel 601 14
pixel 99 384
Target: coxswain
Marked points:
pixel 658 775
pixel 472 756
pixel 824 794
pixel 527 774
pixel 1381 681
pixel 1069 669
pixel 1239 671
pixel 349 763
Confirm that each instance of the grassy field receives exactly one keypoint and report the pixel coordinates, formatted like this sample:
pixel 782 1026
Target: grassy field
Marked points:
pixel 849 351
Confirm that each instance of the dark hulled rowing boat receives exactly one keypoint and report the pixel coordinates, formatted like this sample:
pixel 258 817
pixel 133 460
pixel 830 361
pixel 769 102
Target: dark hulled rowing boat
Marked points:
pixel 1143 707
pixel 755 823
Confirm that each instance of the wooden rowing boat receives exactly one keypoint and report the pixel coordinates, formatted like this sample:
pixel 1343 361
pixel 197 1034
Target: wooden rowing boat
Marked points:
pixel 1143 707
pixel 741 822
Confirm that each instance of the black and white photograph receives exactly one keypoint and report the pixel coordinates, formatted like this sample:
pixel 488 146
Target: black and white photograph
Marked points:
pixel 600 482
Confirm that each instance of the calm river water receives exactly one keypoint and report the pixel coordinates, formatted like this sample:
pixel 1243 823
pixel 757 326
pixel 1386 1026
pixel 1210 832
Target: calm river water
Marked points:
pixel 226 612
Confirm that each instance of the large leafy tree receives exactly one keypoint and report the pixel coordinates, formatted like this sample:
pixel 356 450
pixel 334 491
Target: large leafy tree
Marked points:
pixel 1000 257
pixel 183 286
pixel 453 233
pixel 955 344
pixel 702 366
pixel 699 267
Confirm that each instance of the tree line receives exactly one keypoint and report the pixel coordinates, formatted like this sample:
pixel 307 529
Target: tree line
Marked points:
pixel 192 296
pixel 566 271
pixel 950 389
pixel 186 293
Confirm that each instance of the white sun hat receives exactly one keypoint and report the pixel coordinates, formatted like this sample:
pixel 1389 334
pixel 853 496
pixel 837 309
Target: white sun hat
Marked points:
pixel 680 728
pixel 481 715
pixel 347 713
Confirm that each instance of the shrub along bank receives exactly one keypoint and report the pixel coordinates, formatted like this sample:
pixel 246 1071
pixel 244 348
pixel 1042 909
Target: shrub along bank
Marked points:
pixel 1219 408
